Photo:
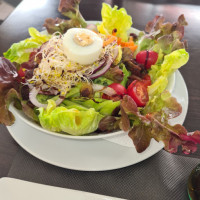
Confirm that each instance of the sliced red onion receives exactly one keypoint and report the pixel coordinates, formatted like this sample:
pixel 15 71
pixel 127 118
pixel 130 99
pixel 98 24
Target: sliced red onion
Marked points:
pixel 106 90
pixel 32 96
pixel 44 89
pixel 101 63
pixel 49 92
pixel 103 70
pixel 92 27
pixel 30 86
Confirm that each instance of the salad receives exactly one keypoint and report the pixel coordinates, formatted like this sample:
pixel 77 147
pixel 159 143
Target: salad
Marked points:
pixel 78 78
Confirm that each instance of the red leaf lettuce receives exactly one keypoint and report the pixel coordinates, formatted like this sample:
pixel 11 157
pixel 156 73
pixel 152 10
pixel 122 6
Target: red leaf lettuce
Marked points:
pixel 153 122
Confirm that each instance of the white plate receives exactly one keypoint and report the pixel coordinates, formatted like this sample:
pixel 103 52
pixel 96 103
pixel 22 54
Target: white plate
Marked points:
pixel 87 155
pixel 14 189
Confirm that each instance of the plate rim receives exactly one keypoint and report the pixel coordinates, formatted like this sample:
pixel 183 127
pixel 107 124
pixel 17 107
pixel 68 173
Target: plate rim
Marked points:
pixel 161 145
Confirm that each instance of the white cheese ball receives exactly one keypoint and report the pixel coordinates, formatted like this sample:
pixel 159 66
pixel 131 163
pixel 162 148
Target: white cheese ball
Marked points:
pixel 82 45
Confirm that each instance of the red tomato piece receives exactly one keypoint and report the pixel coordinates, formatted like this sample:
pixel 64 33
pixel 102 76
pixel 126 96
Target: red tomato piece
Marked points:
pixel 147 58
pixel 21 74
pixel 147 80
pixel 138 91
pixel 119 89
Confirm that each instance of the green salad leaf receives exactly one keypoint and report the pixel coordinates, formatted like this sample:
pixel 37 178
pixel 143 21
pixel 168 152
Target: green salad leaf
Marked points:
pixel 126 75
pixel 75 91
pixel 160 73
pixel 164 103
pixel 43 98
pixel 157 87
pixel 19 52
pixel 103 81
pixel 72 121
pixel 103 106
pixel 112 18
pixel 161 35
pixel 70 9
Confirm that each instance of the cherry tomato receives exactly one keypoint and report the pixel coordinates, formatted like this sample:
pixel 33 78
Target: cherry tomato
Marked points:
pixel 147 58
pixel 119 89
pixel 138 91
pixel 147 80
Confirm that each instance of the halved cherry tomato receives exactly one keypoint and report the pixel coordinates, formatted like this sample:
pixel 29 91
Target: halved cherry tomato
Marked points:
pixel 147 80
pixel 119 89
pixel 147 58
pixel 138 91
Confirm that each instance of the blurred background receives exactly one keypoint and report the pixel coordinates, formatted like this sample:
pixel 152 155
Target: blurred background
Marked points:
pixel 7 6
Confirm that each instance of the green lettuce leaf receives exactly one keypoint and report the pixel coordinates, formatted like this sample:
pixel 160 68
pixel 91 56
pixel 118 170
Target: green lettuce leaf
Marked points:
pixel 19 52
pixel 112 18
pixel 70 104
pixel 60 25
pixel 126 75
pixel 43 98
pixel 164 103
pixel 161 35
pixel 160 73
pixel 157 87
pixel 103 81
pixel 75 91
pixel 71 121
pixel 103 106
pixel 70 8
pixel 144 42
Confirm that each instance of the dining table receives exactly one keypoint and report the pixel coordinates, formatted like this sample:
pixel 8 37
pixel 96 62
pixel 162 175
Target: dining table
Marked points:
pixel 161 176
